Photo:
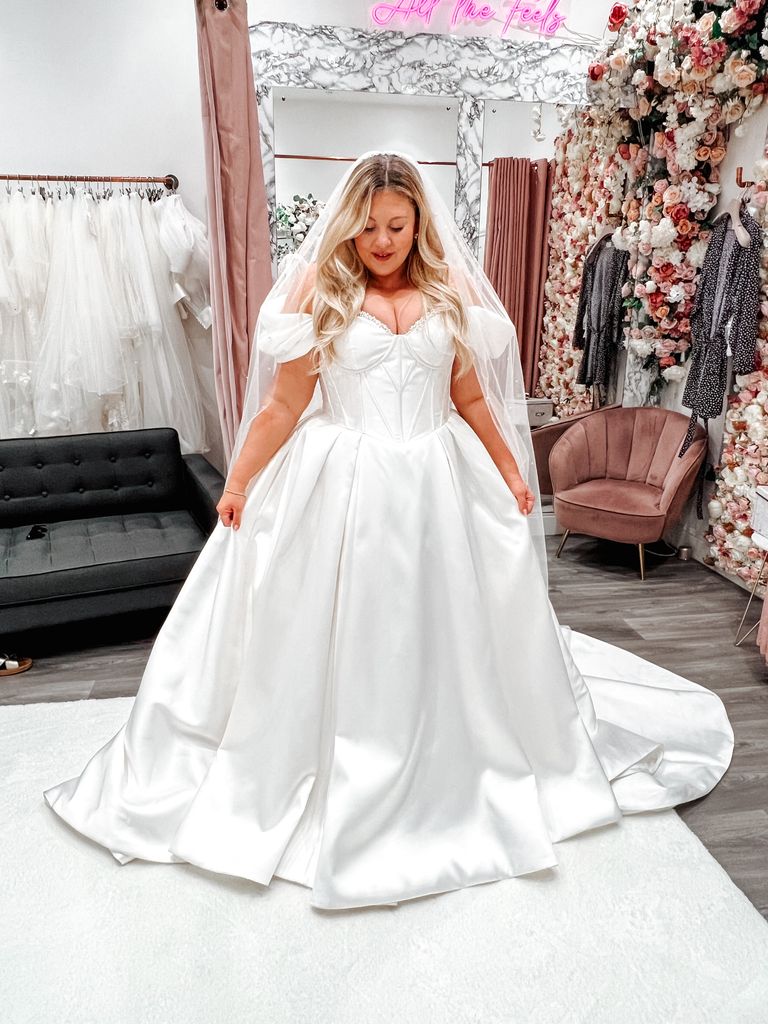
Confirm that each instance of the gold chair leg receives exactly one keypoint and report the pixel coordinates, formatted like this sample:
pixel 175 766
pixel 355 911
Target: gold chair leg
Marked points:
pixel 562 543
pixel 641 551
pixel 738 641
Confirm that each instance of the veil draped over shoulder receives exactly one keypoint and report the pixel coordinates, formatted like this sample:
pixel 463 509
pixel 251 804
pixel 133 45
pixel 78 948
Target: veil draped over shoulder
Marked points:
pixel 492 338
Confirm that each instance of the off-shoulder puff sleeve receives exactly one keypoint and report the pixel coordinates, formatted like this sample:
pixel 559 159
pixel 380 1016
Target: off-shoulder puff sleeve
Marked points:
pixel 489 332
pixel 281 335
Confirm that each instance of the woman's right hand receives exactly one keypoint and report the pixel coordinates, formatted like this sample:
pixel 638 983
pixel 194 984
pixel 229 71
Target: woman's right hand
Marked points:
pixel 230 509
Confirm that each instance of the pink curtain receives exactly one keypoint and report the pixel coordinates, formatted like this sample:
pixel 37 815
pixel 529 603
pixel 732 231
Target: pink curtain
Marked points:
pixel 517 248
pixel 238 222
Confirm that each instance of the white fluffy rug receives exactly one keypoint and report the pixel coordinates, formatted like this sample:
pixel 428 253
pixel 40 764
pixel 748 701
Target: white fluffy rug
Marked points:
pixel 638 923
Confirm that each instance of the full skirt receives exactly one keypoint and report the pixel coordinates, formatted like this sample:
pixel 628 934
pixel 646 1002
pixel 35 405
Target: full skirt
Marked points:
pixel 365 690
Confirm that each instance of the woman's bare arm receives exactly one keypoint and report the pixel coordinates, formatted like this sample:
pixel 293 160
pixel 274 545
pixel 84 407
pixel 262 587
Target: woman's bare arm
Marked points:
pixel 291 391
pixel 470 403
pixel 289 396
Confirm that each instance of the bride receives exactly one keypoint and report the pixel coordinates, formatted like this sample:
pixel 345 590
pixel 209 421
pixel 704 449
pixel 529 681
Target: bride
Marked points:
pixel 362 686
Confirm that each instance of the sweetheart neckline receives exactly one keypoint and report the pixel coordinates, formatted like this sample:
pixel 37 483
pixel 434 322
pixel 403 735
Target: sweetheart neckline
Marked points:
pixel 388 329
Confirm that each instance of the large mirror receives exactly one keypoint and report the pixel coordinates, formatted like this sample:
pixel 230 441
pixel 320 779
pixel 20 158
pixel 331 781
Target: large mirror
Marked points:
pixel 510 128
pixel 313 124
pixel 515 205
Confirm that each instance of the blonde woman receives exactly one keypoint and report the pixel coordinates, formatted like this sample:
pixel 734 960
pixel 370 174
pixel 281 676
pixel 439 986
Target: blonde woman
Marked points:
pixel 362 686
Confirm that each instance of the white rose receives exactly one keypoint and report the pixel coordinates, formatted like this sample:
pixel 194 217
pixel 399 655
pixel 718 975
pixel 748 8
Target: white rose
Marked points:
pixel 673 373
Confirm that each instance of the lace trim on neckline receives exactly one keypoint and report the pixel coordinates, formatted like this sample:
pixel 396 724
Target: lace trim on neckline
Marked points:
pixel 374 319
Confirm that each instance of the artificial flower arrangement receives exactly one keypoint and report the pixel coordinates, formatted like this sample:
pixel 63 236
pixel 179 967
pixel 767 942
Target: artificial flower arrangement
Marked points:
pixel 295 219
pixel 682 76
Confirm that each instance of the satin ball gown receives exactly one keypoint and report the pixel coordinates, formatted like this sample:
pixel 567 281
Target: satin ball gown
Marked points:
pixel 365 689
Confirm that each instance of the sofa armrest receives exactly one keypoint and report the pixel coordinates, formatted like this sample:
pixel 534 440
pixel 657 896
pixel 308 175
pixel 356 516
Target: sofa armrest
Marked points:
pixel 204 485
pixel 568 459
pixel 681 479
pixel 544 439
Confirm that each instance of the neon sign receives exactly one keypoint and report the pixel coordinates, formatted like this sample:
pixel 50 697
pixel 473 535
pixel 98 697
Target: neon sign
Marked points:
pixel 526 12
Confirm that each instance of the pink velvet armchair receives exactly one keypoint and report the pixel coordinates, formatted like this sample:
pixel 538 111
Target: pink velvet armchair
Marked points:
pixel 616 474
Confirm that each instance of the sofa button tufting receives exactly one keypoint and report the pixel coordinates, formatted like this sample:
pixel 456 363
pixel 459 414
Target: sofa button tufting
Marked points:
pixel 115 487
pixel 113 458
pixel 6 497
pixel 39 465
pixel 44 493
pixel 77 462
pixel 81 489
pixel 147 454
pixel 150 483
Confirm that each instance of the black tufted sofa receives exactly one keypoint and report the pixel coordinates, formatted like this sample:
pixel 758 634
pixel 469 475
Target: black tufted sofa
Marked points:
pixel 126 516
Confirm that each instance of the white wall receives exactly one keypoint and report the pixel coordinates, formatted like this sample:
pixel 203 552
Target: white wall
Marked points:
pixel 90 87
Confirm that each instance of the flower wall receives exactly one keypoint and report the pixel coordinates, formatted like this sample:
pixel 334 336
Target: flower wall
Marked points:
pixel 668 87
pixel 587 193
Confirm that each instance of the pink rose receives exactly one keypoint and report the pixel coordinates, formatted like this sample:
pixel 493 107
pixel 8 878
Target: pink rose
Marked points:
pixel 745 75
pixel 732 21
pixel 673 195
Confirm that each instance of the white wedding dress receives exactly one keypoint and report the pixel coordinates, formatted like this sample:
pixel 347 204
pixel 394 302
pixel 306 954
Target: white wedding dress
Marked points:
pixel 365 688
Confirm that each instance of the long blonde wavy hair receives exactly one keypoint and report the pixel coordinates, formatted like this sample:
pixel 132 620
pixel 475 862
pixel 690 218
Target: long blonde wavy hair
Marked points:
pixel 337 291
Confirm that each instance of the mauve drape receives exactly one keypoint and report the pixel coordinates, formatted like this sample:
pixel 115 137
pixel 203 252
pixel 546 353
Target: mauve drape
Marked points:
pixel 238 222
pixel 517 248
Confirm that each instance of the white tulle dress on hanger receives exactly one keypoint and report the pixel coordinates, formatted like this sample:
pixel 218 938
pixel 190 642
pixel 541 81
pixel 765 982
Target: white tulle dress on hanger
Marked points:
pixel 91 337
pixel 83 368
pixel 185 242
pixel 365 689
pixel 24 259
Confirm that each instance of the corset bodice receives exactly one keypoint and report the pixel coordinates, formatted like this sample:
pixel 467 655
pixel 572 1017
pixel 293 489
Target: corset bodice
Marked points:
pixel 395 386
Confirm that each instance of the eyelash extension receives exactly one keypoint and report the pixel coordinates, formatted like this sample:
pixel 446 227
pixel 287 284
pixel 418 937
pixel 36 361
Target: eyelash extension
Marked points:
pixel 371 229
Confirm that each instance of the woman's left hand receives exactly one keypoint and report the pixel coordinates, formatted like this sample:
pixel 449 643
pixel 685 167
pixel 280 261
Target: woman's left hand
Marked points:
pixel 525 496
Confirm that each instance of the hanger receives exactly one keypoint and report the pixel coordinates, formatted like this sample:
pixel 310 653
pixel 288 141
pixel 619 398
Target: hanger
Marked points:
pixel 733 211
pixel 598 240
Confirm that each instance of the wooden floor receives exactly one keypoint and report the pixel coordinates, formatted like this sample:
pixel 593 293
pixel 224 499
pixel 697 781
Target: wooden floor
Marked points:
pixel 683 616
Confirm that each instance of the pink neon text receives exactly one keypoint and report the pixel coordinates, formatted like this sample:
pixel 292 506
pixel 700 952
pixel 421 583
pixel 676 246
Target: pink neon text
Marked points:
pixel 526 11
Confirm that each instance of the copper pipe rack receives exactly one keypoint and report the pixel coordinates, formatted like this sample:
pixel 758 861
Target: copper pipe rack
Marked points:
pixel 169 180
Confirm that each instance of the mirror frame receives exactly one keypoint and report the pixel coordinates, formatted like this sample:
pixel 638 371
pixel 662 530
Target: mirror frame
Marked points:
pixel 471 69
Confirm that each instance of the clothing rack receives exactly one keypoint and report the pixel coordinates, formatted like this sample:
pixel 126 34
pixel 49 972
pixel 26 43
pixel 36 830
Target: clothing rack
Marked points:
pixel 169 180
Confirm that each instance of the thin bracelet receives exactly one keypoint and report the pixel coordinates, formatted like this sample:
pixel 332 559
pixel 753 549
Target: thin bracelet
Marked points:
pixel 241 493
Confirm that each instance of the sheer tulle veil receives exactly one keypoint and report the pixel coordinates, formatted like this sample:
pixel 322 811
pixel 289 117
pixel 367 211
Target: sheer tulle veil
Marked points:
pixel 492 337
